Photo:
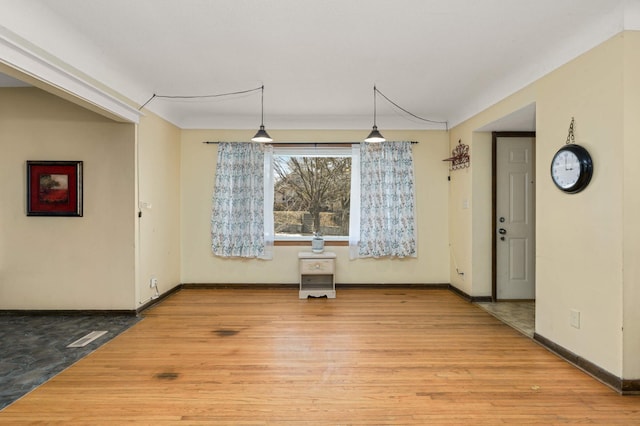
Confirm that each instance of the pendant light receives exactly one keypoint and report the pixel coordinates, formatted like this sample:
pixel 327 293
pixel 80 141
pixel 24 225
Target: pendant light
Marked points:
pixel 262 135
pixel 375 135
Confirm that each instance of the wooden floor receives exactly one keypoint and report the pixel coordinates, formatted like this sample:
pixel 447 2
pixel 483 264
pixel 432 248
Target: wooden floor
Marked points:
pixel 370 356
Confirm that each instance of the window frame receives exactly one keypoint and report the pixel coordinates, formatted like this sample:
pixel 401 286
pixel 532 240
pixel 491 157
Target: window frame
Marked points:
pixel 311 150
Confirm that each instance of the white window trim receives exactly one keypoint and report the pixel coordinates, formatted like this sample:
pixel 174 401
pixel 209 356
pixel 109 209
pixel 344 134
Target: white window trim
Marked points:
pixel 310 151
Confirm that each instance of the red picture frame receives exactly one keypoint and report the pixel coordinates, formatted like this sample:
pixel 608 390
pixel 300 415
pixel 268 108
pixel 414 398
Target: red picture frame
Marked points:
pixel 54 188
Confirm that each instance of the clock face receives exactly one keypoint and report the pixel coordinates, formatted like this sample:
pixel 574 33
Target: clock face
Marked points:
pixel 571 168
pixel 565 169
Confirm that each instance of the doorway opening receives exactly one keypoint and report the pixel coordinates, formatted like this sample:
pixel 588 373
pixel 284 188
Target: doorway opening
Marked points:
pixel 513 230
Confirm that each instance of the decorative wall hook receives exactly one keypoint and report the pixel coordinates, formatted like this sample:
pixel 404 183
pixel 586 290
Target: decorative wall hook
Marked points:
pixel 570 136
pixel 460 156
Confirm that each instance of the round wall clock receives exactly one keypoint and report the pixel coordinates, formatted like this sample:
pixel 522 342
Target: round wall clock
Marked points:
pixel 571 168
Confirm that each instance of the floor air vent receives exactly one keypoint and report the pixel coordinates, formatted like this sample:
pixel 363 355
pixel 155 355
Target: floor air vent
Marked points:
pixel 84 341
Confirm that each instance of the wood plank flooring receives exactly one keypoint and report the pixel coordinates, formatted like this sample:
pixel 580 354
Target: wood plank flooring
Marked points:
pixel 370 356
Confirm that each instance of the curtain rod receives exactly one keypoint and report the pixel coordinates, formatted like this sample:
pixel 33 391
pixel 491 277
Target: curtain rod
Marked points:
pixel 303 143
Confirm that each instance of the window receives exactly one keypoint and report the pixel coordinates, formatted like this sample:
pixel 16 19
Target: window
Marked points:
pixel 312 192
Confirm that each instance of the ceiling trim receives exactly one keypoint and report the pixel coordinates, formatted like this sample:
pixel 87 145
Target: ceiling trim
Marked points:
pixel 20 55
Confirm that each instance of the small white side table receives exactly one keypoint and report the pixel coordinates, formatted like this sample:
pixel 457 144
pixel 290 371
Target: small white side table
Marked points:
pixel 317 274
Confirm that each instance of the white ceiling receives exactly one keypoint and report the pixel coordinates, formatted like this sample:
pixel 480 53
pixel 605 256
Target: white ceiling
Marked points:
pixel 443 60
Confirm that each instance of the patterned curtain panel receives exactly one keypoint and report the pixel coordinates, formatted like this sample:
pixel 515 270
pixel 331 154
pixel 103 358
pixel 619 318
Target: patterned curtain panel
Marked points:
pixel 387 200
pixel 354 210
pixel 237 220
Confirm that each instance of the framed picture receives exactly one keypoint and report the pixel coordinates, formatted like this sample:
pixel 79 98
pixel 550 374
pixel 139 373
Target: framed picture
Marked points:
pixel 54 188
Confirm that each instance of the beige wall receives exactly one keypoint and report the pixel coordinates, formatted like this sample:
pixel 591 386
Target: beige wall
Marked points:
pixel 65 262
pixel 200 266
pixel 579 238
pixel 481 219
pixel 587 243
pixel 159 204
pixel 631 212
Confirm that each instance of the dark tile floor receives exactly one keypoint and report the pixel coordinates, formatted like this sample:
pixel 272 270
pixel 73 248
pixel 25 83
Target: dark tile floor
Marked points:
pixel 33 348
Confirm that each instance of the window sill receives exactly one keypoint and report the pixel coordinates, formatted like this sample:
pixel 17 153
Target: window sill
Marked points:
pixel 308 243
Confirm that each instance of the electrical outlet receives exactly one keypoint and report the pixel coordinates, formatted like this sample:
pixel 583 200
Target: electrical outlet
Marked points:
pixel 153 282
pixel 574 318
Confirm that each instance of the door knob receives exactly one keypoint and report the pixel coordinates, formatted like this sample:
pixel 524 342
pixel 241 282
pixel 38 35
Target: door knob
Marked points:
pixel 502 231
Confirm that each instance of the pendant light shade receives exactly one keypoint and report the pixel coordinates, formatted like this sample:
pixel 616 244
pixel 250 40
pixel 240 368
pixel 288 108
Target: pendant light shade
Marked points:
pixel 375 135
pixel 262 135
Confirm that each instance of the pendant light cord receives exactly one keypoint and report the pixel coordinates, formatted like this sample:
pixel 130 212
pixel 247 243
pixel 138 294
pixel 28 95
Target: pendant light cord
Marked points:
pixel 262 106
pixel 375 89
pixel 374 106
pixel 218 95
pixel 261 88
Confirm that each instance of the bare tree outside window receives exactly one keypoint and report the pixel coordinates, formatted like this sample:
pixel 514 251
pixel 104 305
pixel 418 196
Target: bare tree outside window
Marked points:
pixel 312 194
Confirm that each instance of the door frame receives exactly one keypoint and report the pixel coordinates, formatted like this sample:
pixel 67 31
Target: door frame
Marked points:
pixel 494 199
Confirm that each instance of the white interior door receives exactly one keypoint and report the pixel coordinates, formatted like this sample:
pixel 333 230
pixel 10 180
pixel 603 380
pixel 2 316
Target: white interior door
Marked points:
pixel 515 218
